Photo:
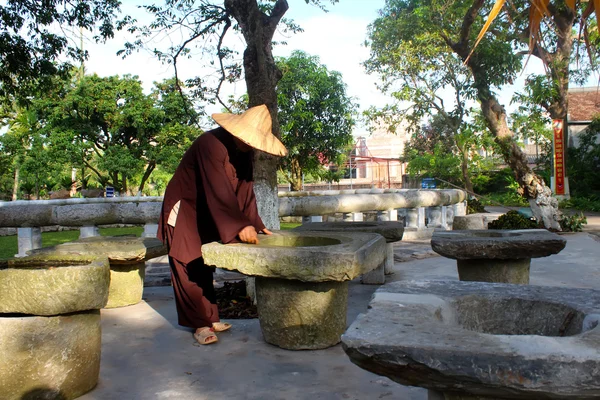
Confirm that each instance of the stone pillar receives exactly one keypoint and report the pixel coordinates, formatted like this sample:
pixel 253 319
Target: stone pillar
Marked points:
pixel 460 209
pixel 312 218
pixel 28 239
pixel 402 213
pixel 421 218
pixel 412 218
pixel 449 217
pixel 347 217
pixel 389 258
pixel 444 218
pixel 357 217
pixel 88 231
pixel 435 217
pixel 150 230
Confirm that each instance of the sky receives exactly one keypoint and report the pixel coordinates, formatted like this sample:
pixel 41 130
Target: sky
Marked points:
pixel 336 37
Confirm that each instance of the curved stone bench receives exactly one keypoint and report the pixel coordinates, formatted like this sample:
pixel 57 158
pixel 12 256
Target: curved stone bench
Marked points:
pixel 50 330
pixel 126 255
pixel 301 281
pixel 392 231
pixel 472 340
pixel 502 256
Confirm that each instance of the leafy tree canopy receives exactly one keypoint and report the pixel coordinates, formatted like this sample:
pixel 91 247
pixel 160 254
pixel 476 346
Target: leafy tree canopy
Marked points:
pixel 315 113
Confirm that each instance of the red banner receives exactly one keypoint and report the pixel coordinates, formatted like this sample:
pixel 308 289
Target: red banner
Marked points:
pixel 559 156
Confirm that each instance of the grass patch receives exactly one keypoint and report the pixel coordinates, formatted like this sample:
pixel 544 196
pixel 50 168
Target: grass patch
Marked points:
pixel 9 244
pixel 284 226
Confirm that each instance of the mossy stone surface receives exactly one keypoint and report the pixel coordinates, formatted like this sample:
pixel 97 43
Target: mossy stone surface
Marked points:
pixel 497 271
pixel 126 284
pixel 49 357
pixel 297 315
pixel 53 287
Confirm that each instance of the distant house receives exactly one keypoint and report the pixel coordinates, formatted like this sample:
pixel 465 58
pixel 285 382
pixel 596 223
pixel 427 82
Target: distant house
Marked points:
pixel 584 106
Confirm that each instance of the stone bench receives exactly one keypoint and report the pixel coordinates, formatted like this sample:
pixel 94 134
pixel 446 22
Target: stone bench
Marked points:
pixel 301 281
pixel 502 256
pixel 50 331
pixel 476 341
pixel 127 256
pixel 392 231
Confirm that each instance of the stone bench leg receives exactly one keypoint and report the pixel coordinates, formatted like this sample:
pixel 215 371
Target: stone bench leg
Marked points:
pixel 496 271
pixel 28 239
pixel 126 284
pixel 297 315
pixel 88 231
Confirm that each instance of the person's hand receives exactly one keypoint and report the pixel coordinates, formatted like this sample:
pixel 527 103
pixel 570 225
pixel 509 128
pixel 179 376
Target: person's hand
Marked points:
pixel 248 235
pixel 266 232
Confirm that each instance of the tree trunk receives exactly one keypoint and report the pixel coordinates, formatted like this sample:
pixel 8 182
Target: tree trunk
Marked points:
pixel 295 176
pixel 532 187
pixel 15 191
pixel 261 75
pixel 464 166
pixel 147 173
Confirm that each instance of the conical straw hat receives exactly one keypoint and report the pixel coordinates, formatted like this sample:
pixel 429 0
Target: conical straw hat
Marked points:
pixel 252 127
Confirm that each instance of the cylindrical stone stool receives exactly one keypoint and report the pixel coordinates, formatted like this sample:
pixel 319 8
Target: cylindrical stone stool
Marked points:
pixel 299 315
pixel 50 327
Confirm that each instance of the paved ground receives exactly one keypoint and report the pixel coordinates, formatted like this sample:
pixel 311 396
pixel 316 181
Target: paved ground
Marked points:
pixel 146 356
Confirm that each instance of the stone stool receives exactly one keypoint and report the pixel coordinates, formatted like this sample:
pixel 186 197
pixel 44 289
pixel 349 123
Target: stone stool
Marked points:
pixel 127 256
pixel 301 281
pixel 502 256
pixel 50 327
pixel 476 341
pixel 392 231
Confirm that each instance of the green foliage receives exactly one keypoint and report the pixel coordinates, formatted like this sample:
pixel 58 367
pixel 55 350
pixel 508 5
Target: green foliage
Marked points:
pixel 583 163
pixel 316 116
pixel 474 206
pixel 36 41
pixel 591 203
pixel 514 220
pixel 573 223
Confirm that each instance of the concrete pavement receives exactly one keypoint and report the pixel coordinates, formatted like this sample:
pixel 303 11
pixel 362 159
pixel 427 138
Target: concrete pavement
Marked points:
pixel 146 356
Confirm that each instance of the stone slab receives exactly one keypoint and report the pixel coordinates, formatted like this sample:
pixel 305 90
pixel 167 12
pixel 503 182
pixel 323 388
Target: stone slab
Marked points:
pixel 49 357
pixel 30 286
pixel 497 244
pixel 482 339
pixel 391 230
pixel 118 249
pixel 305 256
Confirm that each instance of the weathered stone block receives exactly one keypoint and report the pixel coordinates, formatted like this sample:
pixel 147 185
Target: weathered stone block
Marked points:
pixel 49 357
pixel 499 271
pixel 126 284
pixel 297 315
pixel 471 340
pixel 55 286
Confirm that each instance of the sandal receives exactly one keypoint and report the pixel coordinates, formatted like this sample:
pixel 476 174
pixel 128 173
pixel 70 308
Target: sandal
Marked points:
pixel 221 326
pixel 206 336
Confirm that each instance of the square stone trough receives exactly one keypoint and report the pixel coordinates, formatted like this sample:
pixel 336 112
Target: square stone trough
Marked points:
pixel 473 340
pixel 50 332
pixel 126 254
pixel 501 256
pixel 301 281
pixel 392 231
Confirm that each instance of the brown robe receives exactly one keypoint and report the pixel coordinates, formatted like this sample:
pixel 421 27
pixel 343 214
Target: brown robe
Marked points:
pixel 213 183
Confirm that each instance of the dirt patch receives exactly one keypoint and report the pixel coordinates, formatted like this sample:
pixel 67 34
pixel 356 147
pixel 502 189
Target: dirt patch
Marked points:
pixel 233 301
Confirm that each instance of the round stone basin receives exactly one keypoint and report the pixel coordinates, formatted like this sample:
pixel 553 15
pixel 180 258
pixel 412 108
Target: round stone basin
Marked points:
pixel 515 316
pixel 299 241
pixel 304 256
pixel 497 244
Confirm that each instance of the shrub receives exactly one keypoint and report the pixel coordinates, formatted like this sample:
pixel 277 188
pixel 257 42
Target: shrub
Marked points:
pixel 573 223
pixel 514 220
pixel 474 206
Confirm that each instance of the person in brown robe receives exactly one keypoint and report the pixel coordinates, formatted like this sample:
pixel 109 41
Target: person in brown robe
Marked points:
pixel 211 198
